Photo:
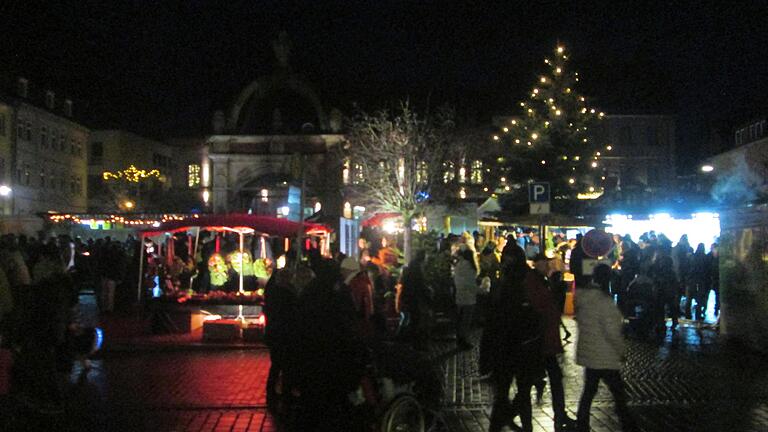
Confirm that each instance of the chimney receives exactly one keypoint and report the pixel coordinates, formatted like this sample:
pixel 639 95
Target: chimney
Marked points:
pixel 22 87
pixel 68 107
pixel 50 100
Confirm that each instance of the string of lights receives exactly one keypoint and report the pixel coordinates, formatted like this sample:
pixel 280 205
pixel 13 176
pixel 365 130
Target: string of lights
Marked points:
pixel 553 140
pixel 131 174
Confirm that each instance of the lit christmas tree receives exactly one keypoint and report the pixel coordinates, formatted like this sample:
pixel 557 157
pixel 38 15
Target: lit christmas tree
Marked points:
pixel 552 139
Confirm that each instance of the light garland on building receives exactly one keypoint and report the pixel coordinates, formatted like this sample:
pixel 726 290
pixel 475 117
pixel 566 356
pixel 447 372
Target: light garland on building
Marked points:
pixel 131 174
pixel 146 220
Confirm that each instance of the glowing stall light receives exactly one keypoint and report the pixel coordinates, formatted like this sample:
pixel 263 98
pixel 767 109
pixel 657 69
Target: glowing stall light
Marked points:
pixel 389 226
pixel 701 227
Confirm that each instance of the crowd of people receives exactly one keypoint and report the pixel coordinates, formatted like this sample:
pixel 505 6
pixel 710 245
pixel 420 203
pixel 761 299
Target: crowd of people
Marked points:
pixel 327 318
pixel 39 286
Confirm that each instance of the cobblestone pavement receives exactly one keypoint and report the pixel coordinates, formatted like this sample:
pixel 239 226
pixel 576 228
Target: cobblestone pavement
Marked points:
pixel 690 382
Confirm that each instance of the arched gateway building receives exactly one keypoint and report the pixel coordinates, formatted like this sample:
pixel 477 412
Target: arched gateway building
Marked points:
pixel 275 137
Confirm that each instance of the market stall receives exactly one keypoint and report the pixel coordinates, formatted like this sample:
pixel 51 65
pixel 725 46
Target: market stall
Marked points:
pixel 207 268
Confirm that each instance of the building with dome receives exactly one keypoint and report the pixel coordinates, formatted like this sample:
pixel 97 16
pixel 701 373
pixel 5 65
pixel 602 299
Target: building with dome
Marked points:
pixel 276 136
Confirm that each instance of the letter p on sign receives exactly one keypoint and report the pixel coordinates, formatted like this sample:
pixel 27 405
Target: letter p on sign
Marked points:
pixel 538 192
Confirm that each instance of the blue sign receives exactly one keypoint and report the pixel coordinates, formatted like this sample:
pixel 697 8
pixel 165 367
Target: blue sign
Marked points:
pixel 538 192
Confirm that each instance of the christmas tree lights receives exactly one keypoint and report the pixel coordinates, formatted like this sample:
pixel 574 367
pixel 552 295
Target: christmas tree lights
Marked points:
pixel 551 140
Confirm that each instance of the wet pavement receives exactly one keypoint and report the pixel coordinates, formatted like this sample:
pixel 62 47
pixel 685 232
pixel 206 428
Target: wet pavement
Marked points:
pixel 690 382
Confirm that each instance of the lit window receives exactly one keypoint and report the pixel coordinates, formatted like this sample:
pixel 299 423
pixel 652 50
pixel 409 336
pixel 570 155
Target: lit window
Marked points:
pixel 358 174
pixel 449 172
pixel 421 173
pixel 462 175
pixel 476 176
pixel 264 195
pixel 193 176
pixel 345 172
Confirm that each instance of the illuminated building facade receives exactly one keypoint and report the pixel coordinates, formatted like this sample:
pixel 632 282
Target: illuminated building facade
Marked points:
pixel 44 163
pixel 275 130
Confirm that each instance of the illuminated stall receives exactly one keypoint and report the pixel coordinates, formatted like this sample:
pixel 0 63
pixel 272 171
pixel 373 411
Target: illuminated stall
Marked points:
pixel 236 264
pixel 701 227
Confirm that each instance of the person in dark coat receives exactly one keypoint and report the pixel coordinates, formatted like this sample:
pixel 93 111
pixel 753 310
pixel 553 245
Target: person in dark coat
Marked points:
pixel 668 292
pixel 413 301
pixel 714 277
pixel 700 278
pixel 280 309
pixel 329 358
pixel 542 300
pixel 511 344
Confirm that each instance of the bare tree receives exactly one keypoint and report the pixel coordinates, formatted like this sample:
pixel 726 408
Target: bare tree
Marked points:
pixel 395 159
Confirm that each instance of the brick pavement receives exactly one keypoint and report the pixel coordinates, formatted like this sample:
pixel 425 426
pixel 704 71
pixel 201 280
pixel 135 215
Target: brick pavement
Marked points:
pixel 691 382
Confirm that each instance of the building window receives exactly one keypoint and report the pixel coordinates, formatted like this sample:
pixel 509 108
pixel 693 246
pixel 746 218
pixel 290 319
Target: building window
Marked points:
pixel 476 176
pixel 28 131
pixel 345 172
pixel 449 172
pixel 193 175
pixel 358 176
pixel 26 174
pixel 50 100
pixel 43 137
pixel 2 124
pixel 20 130
pixel 651 136
pixel 625 136
pixel 42 177
pixel 62 142
pixel 422 173
pixel 738 137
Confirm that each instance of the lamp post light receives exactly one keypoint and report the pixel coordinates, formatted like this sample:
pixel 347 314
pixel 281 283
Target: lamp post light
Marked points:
pixel 707 168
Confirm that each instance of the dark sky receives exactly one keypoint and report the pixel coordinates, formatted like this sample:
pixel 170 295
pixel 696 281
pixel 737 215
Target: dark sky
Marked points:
pixel 161 68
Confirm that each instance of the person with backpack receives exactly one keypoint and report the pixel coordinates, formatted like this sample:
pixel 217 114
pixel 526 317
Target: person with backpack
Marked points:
pixel 511 346
pixel 600 347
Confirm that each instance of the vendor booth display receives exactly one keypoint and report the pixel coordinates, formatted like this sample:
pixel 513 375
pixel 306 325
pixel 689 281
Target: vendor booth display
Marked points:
pixel 201 271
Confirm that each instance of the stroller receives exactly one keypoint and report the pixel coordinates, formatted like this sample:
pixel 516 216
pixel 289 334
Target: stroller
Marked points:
pixel 398 390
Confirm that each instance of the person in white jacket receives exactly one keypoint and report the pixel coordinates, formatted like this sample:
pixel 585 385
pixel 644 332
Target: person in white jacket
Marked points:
pixel 600 347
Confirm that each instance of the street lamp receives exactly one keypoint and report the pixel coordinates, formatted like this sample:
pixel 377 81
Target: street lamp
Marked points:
pixel 5 191
pixel 707 168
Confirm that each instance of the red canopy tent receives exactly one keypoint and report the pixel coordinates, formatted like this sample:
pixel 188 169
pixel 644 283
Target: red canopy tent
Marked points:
pixel 379 218
pixel 261 225
pixel 241 224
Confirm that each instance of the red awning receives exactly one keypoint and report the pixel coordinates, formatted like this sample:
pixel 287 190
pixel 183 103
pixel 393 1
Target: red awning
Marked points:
pixel 262 225
pixel 378 219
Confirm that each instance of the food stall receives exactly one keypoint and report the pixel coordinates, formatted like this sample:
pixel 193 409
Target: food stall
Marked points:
pixel 210 270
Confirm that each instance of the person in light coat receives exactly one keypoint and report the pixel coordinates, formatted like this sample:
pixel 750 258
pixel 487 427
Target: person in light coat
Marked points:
pixel 600 347
pixel 465 281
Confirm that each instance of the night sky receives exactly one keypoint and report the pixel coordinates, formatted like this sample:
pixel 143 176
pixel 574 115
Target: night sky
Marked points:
pixel 162 69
